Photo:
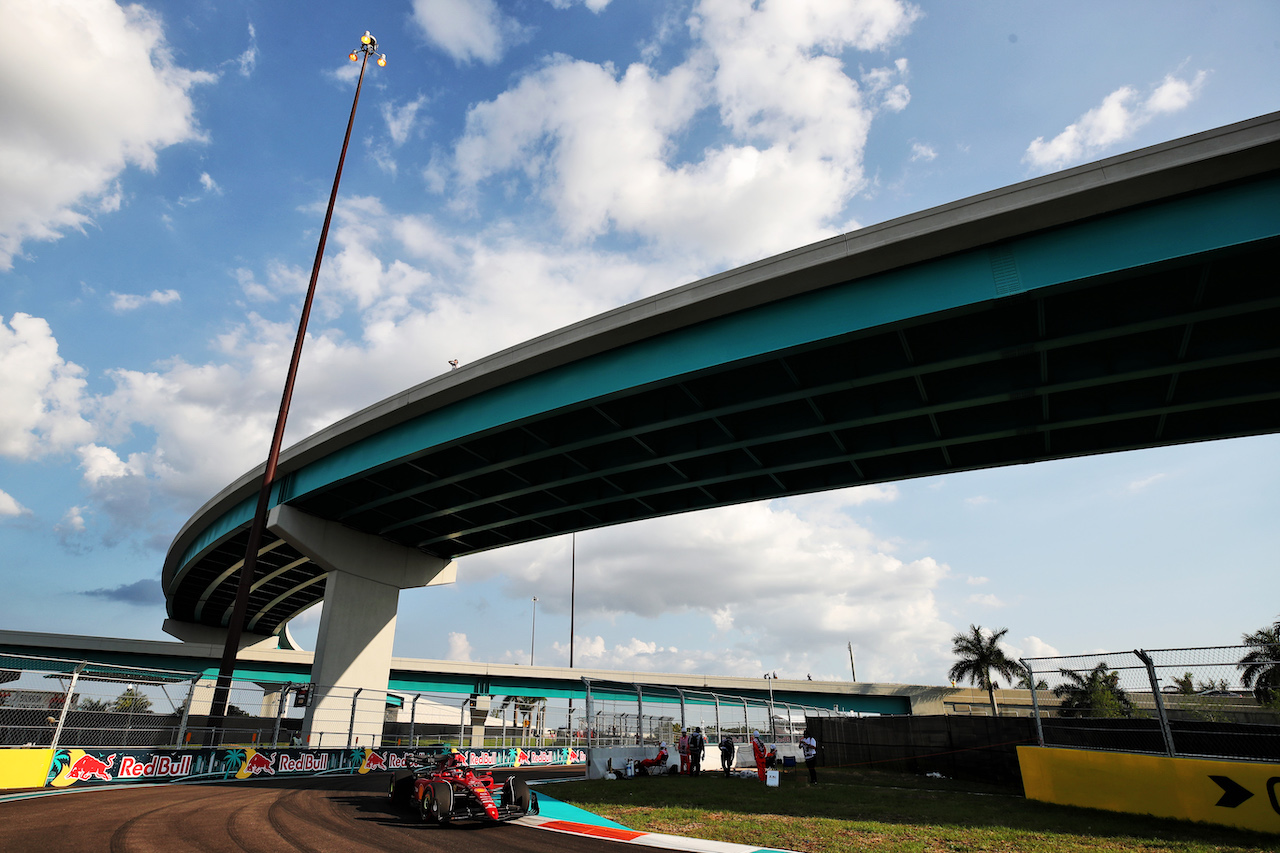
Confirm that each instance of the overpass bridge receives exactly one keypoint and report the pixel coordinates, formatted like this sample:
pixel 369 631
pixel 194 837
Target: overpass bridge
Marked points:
pixel 274 667
pixel 1124 304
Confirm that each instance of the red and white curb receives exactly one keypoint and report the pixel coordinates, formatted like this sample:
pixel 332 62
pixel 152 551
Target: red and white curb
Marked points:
pixel 647 839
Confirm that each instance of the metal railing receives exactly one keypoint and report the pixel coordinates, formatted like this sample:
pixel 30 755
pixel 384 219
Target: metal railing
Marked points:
pixel 48 702
pixel 1175 702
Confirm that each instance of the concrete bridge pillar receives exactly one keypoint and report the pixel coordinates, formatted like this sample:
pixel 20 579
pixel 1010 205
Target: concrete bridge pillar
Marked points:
pixel 353 648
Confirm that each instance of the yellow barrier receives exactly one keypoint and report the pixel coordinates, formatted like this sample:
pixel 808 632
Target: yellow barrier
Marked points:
pixel 24 768
pixel 1233 793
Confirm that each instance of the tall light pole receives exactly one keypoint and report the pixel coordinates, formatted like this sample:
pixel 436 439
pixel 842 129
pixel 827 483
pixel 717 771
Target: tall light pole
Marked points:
pixel 218 708
pixel 573 588
pixel 533 630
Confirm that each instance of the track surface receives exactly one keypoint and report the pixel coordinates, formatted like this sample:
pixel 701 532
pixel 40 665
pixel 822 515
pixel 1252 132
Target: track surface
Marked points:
pixel 323 815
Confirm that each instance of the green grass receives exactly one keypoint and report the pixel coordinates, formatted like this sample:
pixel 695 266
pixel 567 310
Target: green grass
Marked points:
pixel 875 811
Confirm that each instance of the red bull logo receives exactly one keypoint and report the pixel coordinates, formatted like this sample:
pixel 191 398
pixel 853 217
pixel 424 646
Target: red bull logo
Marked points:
pixel 88 767
pixel 259 763
pixel 160 765
pixel 305 763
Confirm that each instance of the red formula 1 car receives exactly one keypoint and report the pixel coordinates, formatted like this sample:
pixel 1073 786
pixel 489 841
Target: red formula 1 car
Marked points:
pixel 443 788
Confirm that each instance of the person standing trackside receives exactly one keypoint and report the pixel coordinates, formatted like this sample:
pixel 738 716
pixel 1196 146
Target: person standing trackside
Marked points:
pixel 697 746
pixel 810 748
pixel 728 749
pixel 683 745
pixel 758 750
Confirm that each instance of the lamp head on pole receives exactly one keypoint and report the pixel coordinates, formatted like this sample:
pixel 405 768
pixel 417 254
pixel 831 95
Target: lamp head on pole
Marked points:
pixel 368 47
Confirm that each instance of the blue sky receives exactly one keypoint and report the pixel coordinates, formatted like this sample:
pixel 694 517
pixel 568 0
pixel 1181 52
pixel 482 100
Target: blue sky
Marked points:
pixel 517 167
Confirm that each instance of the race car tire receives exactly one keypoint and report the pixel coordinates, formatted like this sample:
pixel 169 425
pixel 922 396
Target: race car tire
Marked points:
pixel 442 796
pixel 515 792
pixel 400 789
pixel 428 808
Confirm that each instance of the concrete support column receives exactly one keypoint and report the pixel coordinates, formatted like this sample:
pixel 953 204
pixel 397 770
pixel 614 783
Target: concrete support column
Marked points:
pixel 353 650
pixel 479 714
pixel 357 626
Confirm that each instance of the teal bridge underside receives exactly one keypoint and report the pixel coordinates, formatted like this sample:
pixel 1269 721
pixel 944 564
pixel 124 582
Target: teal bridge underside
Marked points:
pixel 1041 322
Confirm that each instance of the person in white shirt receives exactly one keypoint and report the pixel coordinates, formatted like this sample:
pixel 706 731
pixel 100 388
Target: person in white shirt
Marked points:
pixel 810 748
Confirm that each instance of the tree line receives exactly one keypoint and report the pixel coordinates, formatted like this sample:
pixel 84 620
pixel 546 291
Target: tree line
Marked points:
pixel 1097 693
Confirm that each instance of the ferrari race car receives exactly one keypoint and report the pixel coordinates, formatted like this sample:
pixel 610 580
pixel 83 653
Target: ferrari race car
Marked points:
pixel 443 788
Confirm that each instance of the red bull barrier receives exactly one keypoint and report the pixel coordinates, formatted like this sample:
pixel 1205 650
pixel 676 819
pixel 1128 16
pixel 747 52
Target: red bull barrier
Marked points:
pixel 80 767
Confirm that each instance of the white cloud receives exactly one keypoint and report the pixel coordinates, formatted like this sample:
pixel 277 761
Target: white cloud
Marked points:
pixel 248 61
pixel 988 600
pixel 761 576
pixel 209 184
pixel 133 301
pixel 920 151
pixel 1141 485
pixel 401 119
pixel 468 30
pixel 977 500
pixel 1120 115
pixel 601 146
pixel 43 394
pixel 459 647
pixel 596 6
pixel 9 506
pixel 976 581
pixel 113 98
pixel 1033 647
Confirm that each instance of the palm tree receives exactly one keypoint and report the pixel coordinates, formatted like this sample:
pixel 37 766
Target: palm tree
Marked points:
pixel 1024 682
pixel 528 707
pixel 1097 694
pixel 1260 666
pixel 979 655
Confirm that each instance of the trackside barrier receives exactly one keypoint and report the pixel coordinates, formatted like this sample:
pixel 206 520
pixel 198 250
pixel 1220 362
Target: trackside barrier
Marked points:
pixel 62 768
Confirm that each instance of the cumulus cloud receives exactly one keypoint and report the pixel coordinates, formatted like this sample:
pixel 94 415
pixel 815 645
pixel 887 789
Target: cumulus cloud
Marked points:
pixel 1141 485
pixel 113 98
pixel 143 592
pixel 596 6
pixel 760 576
pixel 1120 115
pixel 248 61
pixel 9 506
pixel 132 301
pixel 604 147
pixel 920 151
pixel 468 30
pixel 459 647
pixel 44 395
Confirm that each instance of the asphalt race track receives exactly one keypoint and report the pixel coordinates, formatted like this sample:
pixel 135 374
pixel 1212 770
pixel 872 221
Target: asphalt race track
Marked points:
pixel 331 814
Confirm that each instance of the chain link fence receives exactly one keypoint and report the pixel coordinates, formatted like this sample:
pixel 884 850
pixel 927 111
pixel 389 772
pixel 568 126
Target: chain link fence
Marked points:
pixel 52 702
pixel 621 714
pixel 1216 702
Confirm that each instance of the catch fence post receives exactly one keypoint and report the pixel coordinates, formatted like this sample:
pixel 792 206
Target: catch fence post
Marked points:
pixel 682 718
pixel 186 712
pixel 66 703
pixel 639 715
pixel 284 695
pixel 1035 703
pixel 590 722
pixel 351 727
pixel 1165 731
pixel 413 721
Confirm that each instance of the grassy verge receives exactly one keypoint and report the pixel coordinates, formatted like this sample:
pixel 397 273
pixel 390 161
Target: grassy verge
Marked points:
pixel 873 811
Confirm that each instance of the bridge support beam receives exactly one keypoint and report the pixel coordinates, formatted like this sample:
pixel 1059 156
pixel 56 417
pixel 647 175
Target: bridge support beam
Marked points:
pixel 353 648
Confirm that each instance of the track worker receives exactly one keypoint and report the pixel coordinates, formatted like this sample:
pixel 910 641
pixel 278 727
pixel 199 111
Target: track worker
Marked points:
pixel 759 751
pixel 728 750
pixel 683 746
pixel 809 746
pixel 697 748
pixel 659 761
